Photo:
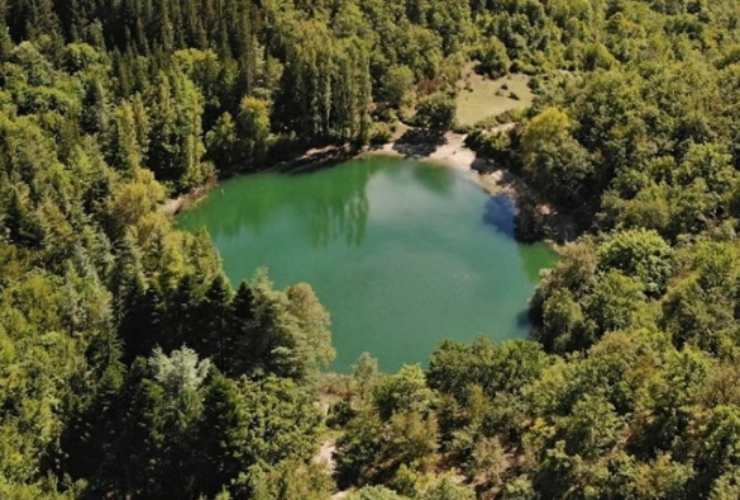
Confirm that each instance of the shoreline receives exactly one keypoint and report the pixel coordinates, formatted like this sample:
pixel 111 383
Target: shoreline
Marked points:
pixel 453 153
pixel 450 152
pixel 313 158
pixel 173 206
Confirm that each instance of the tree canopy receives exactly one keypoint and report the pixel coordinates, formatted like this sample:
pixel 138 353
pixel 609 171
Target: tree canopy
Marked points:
pixel 130 367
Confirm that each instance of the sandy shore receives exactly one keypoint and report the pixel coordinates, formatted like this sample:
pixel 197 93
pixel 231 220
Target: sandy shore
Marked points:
pixel 173 206
pixel 452 152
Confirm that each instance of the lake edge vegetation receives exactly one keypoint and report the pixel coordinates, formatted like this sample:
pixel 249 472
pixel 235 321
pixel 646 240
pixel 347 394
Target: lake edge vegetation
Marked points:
pixel 131 368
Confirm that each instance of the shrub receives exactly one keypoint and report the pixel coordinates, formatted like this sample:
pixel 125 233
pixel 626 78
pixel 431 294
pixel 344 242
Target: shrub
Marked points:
pixel 494 60
pixel 436 112
pixel 381 134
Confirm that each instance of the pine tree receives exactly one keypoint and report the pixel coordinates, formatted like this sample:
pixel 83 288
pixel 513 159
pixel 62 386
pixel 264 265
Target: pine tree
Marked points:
pixel 222 437
pixel 215 315
pixel 125 152
pixel 239 335
pixel 176 145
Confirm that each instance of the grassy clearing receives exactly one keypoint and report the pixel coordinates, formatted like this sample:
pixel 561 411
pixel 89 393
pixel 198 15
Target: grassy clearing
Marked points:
pixel 480 97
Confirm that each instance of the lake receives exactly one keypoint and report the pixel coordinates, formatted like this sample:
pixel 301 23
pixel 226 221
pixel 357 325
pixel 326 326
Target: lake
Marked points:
pixel 403 254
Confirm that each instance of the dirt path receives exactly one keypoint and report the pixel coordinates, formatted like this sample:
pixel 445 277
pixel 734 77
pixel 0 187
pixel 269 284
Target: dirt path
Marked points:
pixel 326 455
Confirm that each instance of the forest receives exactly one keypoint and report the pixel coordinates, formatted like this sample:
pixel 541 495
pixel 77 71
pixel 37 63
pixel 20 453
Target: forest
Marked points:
pixel 130 367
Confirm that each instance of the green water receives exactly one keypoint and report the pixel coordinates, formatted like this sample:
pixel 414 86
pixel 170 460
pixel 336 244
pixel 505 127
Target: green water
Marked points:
pixel 403 254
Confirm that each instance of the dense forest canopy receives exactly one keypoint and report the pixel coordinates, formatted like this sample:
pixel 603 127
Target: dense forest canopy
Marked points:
pixel 131 368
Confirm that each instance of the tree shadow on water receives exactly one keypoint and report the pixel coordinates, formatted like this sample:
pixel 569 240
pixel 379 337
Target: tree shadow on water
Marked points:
pixel 499 213
pixel 523 319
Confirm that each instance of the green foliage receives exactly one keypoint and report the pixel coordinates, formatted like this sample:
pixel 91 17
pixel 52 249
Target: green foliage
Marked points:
pixel 446 488
pixel 402 392
pixel 130 368
pixel 223 143
pixel 233 143
pixel 381 134
pixel 455 367
pixel 365 377
pixel 397 430
pixel 436 113
pixel 372 450
pixel 325 89
pixel 397 85
pixel 374 493
pixel 181 372
pixel 254 125
pixel 291 337
pixel 640 253
pixel 94 276
pixel 128 128
pixel 601 288
pixel 494 60
pixel 558 165
pixel 701 307
pixel 289 479
pixel 176 144
pixel 589 294
pixel 597 56
pixel 495 146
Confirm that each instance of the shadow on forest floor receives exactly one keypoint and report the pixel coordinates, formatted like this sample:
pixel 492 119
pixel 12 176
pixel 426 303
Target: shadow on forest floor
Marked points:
pixel 417 143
